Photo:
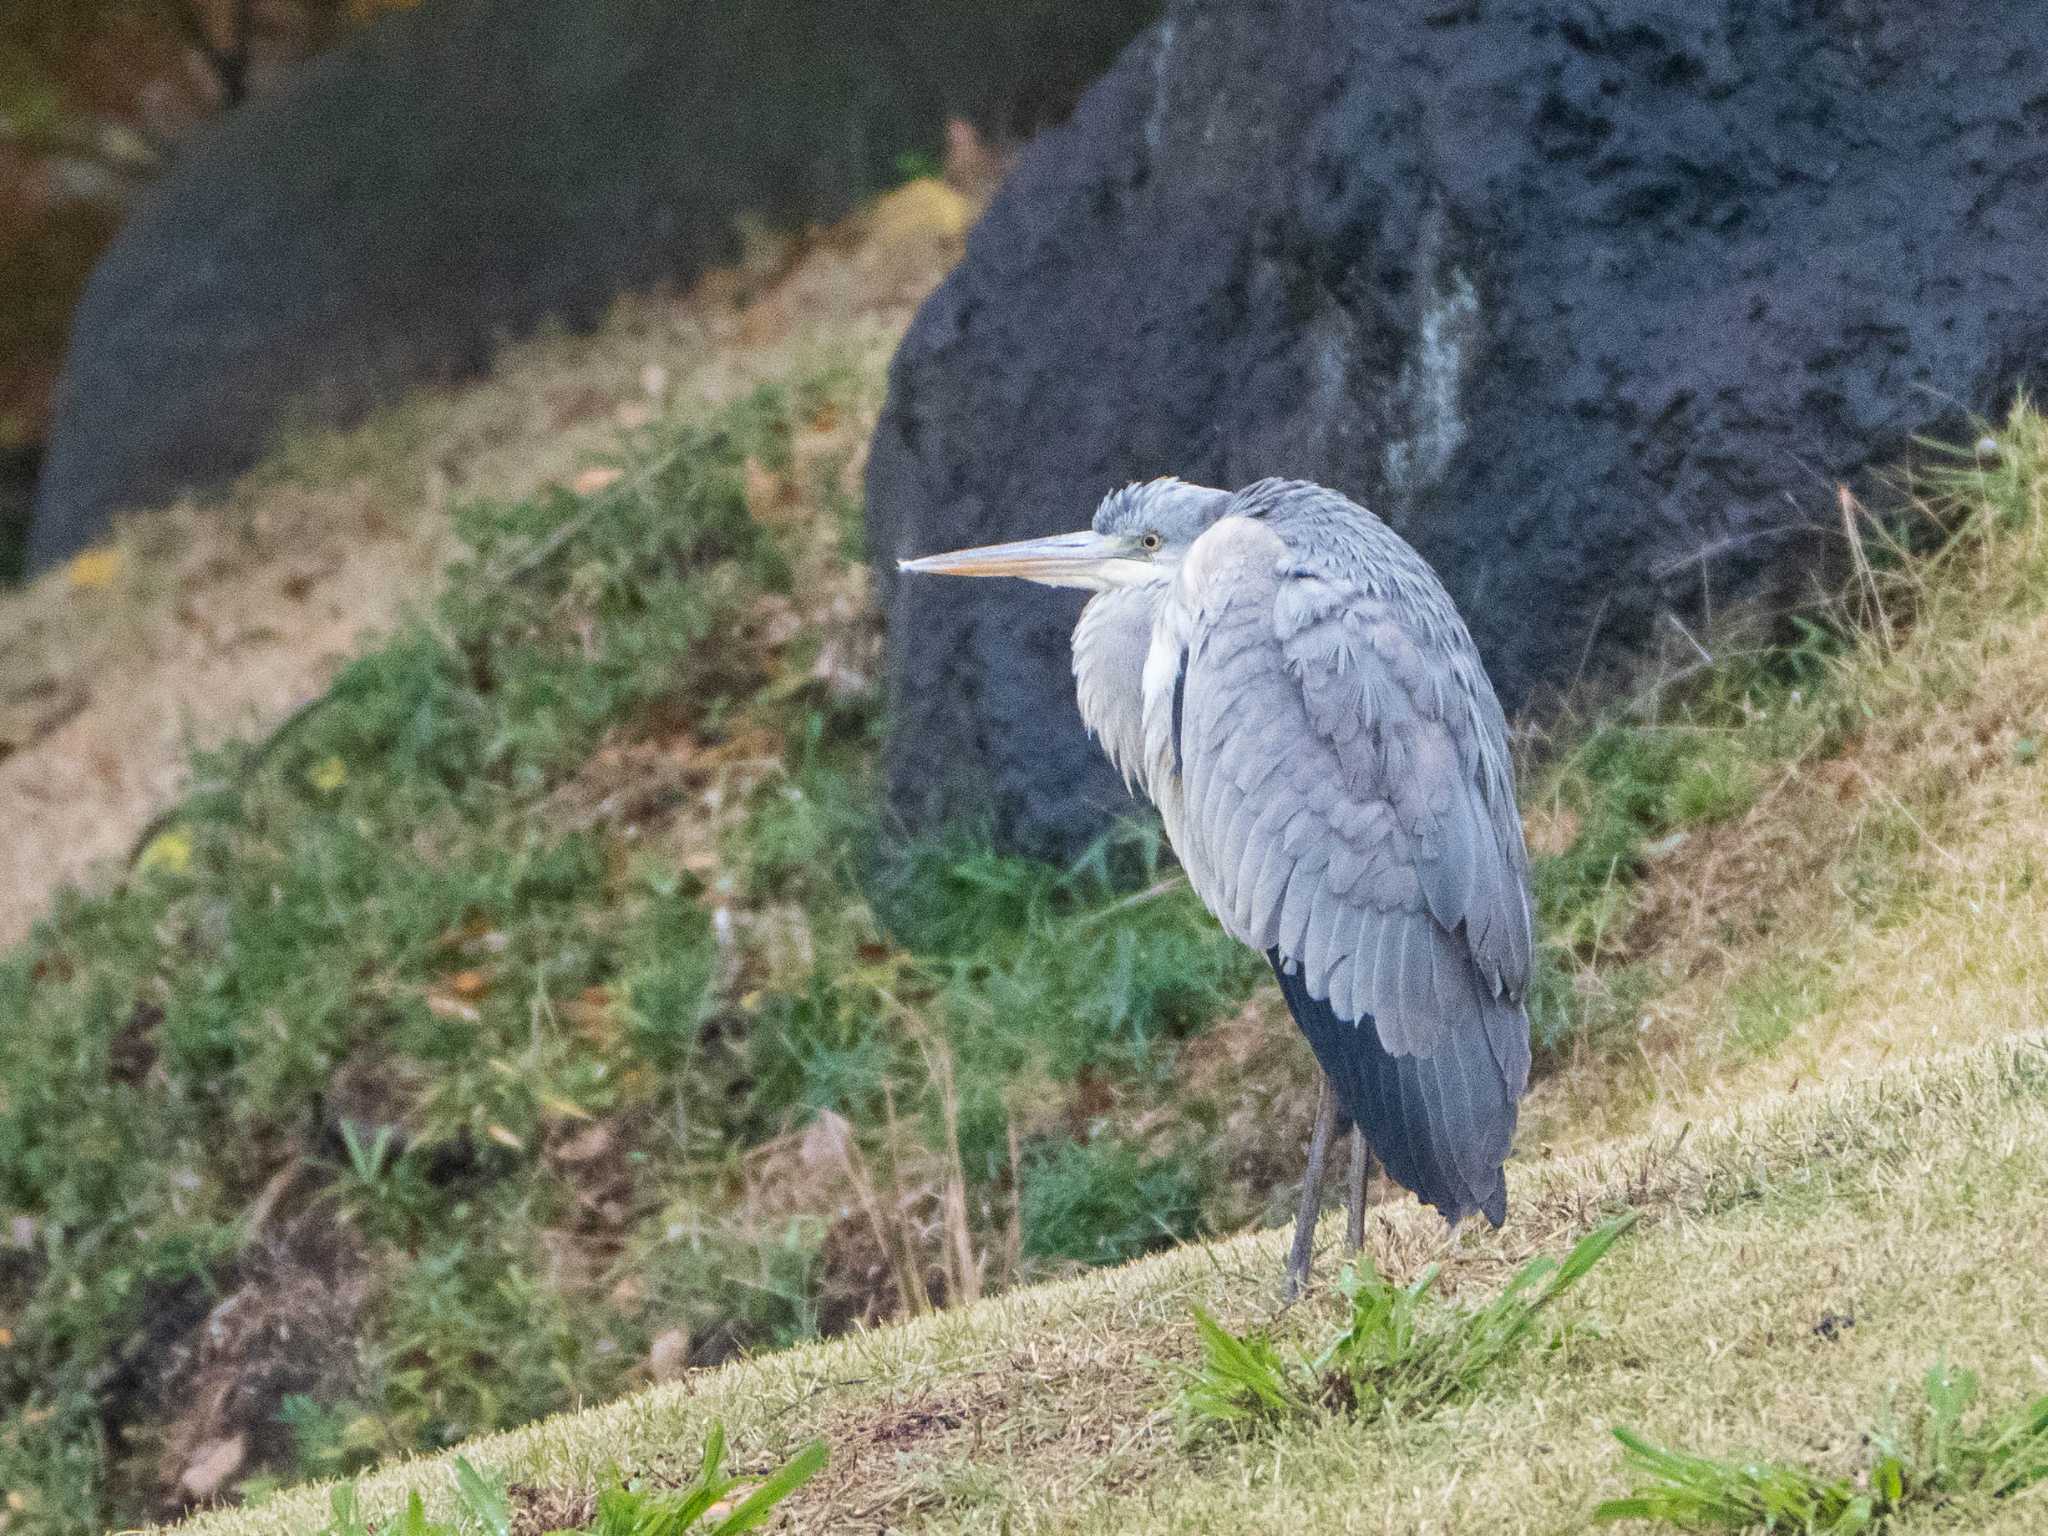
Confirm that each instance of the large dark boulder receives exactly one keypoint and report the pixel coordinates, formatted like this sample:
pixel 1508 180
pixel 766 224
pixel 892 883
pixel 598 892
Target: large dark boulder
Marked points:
pixel 461 172
pixel 1593 302
pixel 19 465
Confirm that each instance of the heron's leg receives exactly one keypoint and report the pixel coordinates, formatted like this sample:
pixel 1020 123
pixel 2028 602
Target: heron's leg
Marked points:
pixel 1311 1191
pixel 1361 1165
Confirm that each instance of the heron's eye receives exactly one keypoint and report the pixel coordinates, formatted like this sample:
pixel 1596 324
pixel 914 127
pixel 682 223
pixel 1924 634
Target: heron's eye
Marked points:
pixel 1150 541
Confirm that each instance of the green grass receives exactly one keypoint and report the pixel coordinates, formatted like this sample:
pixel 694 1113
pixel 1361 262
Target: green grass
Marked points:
pixel 1914 1201
pixel 369 995
pixel 1933 1461
pixel 1394 1354
pixel 409 1021
pixel 1766 1006
pixel 714 1503
pixel 1705 744
pixel 1632 791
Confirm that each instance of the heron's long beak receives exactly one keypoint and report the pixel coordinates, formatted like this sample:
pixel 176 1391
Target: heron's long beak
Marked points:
pixel 1086 559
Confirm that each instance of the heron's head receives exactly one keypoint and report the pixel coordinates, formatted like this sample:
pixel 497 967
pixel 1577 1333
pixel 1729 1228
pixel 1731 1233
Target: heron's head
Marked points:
pixel 1138 538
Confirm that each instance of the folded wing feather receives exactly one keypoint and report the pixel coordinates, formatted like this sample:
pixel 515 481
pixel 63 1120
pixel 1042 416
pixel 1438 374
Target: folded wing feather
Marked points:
pixel 1335 807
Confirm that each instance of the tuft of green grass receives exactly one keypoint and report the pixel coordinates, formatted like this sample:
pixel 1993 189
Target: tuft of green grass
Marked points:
pixel 1766 1007
pixel 1937 1460
pixel 1103 1202
pixel 627 1507
pixel 1396 1353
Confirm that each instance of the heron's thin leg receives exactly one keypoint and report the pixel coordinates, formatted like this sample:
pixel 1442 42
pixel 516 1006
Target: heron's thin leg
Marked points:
pixel 1361 1165
pixel 1311 1191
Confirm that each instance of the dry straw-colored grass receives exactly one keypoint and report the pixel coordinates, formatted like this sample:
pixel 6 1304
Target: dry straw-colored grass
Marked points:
pixel 1887 892
pixel 1800 1259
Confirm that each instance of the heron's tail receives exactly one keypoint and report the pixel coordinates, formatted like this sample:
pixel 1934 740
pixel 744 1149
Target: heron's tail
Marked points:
pixel 1440 1124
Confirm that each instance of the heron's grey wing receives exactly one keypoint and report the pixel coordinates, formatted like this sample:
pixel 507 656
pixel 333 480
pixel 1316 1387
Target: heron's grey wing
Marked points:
pixel 1343 809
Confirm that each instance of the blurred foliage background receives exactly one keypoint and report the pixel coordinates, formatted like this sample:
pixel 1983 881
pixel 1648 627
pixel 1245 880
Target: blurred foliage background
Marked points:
pixel 95 98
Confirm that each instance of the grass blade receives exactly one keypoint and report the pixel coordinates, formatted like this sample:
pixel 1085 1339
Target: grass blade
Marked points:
pixel 483 1498
pixel 773 1489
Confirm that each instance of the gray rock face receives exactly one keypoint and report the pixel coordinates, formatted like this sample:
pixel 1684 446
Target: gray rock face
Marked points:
pixel 1593 302
pixel 460 173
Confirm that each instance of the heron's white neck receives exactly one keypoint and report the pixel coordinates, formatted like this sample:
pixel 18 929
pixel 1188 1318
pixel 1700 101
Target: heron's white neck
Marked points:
pixel 1110 644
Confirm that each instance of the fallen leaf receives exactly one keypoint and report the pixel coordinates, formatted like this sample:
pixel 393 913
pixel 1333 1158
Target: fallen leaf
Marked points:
pixel 1665 846
pixel 828 1140
pixel 778 619
pixel 766 491
pixel 601 478
pixel 585 1147
pixel 469 983
pixel 215 1462
pixel 590 1014
pixel 921 210
pixel 170 851
pixel 442 1006
pixel 669 1355
pixel 93 570
pixel 505 1137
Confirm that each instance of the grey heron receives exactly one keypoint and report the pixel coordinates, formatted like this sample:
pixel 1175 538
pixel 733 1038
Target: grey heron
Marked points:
pixel 1289 683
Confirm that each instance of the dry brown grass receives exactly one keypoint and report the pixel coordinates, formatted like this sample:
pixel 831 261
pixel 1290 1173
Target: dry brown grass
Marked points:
pixel 216 621
pixel 1886 894
pixel 1913 1202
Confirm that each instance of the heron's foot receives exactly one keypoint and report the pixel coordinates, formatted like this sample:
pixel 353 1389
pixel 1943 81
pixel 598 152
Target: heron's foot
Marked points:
pixel 1452 1245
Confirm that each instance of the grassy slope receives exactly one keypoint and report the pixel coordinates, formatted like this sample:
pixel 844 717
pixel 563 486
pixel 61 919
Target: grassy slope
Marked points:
pixel 1821 838
pixel 1915 1202
pixel 1817 867
pixel 622 961
pixel 515 1026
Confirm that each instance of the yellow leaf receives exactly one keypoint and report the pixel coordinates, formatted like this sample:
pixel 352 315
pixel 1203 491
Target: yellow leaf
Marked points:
pixel 591 481
pixel 93 569
pixel 919 210
pixel 6 1338
pixel 561 1108
pixel 329 776
pixel 504 1137
pixel 170 850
